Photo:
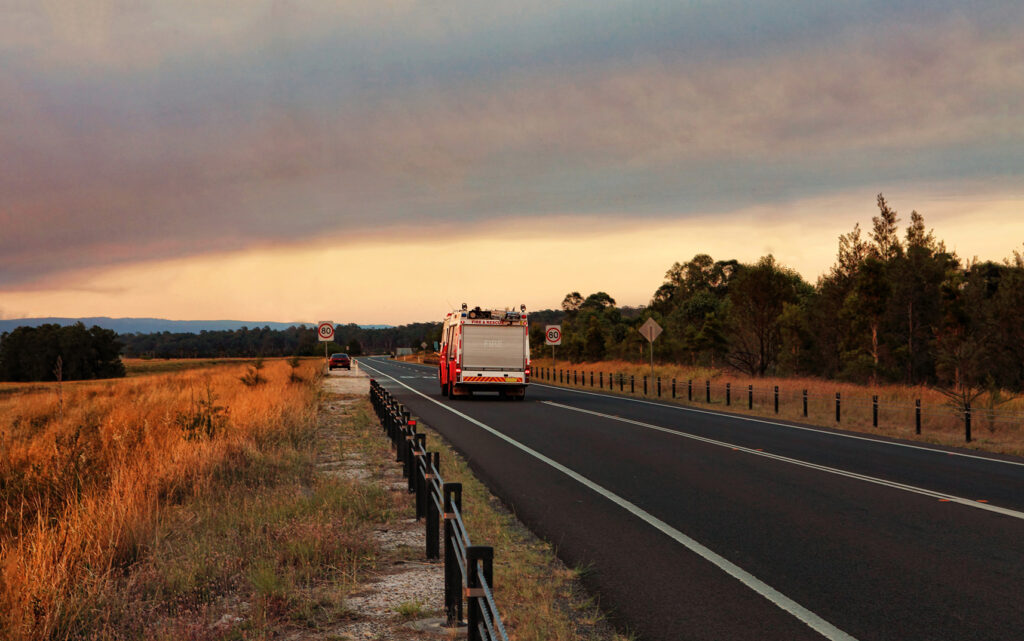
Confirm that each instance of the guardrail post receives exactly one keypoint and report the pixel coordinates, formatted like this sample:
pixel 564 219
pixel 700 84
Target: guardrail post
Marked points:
pixel 874 410
pixel 600 379
pixel 479 564
pixel 632 384
pixel 622 382
pixel 837 407
pixel 407 467
pixel 750 397
pixel 419 466
pixel 707 390
pixel 645 386
pixel 574 377
pixel 452 578
pixel 805 403
pixel 659 387
pixel 917 416
pixel 689 390
pixel 559 374
pixel 433 515
pixel 591 378
pixel 776 399
pixel 673 388
pixel 728 394
pixel 967 422
pixel 398 434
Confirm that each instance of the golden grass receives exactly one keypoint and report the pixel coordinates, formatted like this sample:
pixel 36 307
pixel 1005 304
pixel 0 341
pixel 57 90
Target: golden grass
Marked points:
pixel 85 490
pixel 142 366
pixel 1001 430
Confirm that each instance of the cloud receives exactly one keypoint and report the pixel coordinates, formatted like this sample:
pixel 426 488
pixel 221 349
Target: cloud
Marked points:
pixel 144 131
pixel 408 278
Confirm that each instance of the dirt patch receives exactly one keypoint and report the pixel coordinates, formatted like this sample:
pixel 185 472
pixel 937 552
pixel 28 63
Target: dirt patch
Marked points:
pixel 402 598
pixel 345 382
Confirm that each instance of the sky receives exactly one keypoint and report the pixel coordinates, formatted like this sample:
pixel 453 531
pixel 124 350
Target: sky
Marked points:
pixel 377 161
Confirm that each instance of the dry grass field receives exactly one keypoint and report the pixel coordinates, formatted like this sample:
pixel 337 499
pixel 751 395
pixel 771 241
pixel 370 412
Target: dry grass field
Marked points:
pixel 97 478
pixel 997 423
pixel 188 504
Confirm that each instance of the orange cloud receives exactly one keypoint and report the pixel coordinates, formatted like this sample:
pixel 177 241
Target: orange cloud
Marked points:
pixel 404 278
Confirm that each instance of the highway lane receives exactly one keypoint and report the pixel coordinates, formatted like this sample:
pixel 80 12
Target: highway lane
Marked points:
pixel 857 557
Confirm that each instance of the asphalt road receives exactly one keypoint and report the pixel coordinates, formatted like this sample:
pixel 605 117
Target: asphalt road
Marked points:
pixel 697 525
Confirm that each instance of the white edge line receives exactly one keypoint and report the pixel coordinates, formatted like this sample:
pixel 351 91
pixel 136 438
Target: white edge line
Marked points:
pixel 812 620
pixel 740 417
pixel 816 466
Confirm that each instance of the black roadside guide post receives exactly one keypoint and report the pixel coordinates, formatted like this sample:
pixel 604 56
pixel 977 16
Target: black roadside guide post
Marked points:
pixel 452 573
pixel 433 515
pixel 479 564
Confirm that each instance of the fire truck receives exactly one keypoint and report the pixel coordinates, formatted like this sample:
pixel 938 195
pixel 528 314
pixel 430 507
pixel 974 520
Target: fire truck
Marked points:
pixel 485 350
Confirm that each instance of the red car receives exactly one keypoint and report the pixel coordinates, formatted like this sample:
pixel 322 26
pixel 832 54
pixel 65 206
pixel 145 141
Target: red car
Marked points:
pixel 339 360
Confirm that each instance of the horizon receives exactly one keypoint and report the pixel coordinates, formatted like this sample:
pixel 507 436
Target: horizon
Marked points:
pixel 390 161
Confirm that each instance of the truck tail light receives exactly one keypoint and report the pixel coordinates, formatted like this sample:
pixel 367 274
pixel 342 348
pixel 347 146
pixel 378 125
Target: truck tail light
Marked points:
pixel 527 373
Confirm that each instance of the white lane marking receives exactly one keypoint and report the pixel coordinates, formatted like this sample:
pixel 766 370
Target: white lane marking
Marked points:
pixel 815 466
pixel 740 417
pixel 812 620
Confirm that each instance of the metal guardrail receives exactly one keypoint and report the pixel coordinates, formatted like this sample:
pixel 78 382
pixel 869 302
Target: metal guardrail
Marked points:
pixel 892 413
pixel 468 568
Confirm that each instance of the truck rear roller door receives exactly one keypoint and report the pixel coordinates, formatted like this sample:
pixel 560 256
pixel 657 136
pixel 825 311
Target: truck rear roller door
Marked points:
pixel 494 347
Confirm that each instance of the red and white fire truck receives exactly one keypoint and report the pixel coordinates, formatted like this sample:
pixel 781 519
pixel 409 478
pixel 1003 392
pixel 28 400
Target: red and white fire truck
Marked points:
pixel 485 350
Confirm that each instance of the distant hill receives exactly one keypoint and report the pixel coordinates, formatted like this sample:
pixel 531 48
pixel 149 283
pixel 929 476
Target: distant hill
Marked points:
pixel 155 325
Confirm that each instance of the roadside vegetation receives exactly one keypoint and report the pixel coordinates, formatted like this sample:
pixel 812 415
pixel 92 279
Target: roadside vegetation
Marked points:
pixel 130 503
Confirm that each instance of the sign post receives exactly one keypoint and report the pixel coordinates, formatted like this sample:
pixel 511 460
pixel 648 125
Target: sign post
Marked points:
pixel 552 337
pixel 325 331
pixel 651 330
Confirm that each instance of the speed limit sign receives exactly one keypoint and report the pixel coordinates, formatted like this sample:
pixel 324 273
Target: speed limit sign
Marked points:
pixel 553 335
pixel 325 330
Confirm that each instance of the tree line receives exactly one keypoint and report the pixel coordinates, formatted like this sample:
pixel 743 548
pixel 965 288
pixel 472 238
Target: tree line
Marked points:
pixel 263 341
pixel 31 353
pixel 52 352
pixel 897 306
